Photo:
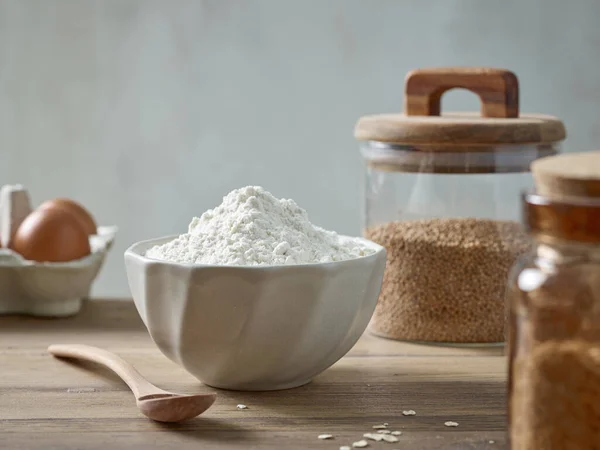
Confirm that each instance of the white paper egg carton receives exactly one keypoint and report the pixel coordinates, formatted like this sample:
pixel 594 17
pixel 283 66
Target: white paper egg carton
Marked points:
pixel 46 289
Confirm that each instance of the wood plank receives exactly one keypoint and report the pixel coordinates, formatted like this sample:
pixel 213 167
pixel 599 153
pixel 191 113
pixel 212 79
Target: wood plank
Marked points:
pixel 47 403
pixel 172 438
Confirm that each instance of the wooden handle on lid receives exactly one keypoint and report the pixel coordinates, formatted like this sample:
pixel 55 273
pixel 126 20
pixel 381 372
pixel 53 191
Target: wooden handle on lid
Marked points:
pixel 498 90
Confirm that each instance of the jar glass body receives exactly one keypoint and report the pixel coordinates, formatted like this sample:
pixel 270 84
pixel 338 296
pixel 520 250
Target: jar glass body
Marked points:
pixel 449 220
pixel 554 347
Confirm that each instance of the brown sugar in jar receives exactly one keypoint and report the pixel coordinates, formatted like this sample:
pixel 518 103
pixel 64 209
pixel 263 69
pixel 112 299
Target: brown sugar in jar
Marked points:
pixel 557 397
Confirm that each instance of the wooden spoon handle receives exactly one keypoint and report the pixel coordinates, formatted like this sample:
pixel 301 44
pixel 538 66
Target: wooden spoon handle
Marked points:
pixel 136 382
pixel 498 90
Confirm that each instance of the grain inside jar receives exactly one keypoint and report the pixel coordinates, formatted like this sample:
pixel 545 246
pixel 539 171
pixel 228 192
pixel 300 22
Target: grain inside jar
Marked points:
pixel 445 278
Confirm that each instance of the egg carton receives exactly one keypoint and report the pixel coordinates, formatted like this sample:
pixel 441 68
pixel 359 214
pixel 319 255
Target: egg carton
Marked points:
pixel 50 289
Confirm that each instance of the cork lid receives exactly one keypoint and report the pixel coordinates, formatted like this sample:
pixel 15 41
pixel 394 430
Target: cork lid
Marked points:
pixel 566 204
pixel 422 124
pixel 568 175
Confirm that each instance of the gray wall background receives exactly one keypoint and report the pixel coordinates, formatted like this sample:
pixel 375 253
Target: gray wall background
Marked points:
pixel 149 111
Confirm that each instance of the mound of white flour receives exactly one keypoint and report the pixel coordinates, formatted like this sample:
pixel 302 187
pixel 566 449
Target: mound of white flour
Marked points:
pixel 253 228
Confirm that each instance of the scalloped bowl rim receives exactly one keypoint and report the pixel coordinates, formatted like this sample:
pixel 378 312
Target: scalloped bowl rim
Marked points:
pixel 138 249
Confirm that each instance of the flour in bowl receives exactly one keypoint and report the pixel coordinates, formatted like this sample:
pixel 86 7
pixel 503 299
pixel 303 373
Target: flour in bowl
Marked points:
pixel 253 228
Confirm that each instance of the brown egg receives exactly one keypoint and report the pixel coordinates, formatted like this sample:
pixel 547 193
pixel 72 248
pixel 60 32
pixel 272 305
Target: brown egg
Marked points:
pixel 51 235
pixel 83 215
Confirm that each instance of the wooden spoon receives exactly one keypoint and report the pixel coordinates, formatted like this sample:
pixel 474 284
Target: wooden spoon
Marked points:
pixel 155 403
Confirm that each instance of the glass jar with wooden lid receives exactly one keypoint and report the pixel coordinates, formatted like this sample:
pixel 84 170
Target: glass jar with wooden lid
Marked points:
pixel 442 195
pixel 554 326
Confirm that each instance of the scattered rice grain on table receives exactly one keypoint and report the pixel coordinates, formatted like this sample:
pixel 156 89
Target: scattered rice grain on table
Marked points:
pixel 325 436
pixel 373 436
pixel 360 444
pixel 451 424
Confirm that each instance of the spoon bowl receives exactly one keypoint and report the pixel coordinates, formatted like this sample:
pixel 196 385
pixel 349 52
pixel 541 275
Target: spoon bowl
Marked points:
pixel 169 407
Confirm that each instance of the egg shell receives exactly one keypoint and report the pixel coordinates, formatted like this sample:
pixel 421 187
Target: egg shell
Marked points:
pixel 51 235
pixel 83 215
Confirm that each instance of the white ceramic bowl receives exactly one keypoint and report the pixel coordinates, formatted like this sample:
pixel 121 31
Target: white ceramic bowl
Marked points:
pixel 251 327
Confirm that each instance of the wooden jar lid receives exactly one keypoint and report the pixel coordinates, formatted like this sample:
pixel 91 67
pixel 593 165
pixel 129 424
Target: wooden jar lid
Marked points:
pixel 566 205
pixel 422 124
pixel 568 175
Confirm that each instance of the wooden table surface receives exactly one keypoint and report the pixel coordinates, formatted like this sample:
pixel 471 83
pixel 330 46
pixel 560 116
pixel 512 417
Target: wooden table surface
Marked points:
pixel 51 404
